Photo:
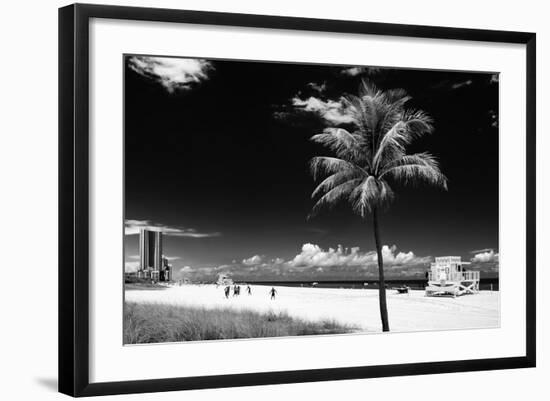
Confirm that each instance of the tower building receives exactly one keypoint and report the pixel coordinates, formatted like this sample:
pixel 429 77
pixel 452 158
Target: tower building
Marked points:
pixel 152 264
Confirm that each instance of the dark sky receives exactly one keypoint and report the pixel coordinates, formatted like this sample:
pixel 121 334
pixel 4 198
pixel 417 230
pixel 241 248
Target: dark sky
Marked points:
pixel 218 152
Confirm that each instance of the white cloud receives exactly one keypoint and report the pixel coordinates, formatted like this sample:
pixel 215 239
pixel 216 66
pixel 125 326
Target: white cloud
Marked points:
pixel 481 250
pixel 313 255
pixel 130 267
pixel 394 258
pixel 332 111
pixel 132 227
pixel 172 73
pixel 353 71
pixel 253 260
pixel 485 256
pixel 461 84
pixel 319 88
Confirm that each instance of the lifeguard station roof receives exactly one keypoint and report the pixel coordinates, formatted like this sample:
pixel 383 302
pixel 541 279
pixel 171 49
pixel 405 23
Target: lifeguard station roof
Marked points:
pixel 450 259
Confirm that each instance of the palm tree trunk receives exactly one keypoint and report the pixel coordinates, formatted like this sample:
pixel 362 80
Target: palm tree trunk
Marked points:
pixel 381 281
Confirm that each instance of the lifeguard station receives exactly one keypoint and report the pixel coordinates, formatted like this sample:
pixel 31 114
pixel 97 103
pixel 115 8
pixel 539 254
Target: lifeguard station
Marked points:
pixel 448 277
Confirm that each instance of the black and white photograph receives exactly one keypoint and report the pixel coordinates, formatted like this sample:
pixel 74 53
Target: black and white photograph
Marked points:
pixel 275 200
pixel 266 199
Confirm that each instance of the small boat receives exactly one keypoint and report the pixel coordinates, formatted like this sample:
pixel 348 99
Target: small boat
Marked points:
pixel 402 290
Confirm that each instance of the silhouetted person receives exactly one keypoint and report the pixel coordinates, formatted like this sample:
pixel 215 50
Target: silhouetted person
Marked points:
pixel 227 290
pixel 272 292
pixel 249 290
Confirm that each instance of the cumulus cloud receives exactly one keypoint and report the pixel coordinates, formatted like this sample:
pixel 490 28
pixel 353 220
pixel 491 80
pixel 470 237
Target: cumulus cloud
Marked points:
pixel 130 266
pixel 253 260
pixel 392 257
pixel 313 255
pixel 172 73
pixel 132 227
pixel 354 71
pixel 485 256
pixel 319 88
pixel 332 111
pixel 481 250
pixel 315 263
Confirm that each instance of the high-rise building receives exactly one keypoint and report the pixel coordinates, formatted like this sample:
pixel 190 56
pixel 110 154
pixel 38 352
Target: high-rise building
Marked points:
pixel 165 273
pixel 150 249
pixel 150 256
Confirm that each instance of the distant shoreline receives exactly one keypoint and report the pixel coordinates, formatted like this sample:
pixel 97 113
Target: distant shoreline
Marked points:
pixel 485 283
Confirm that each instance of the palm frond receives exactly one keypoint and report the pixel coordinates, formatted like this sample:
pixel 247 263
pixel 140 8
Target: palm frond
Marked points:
pixel 364 195
pixel 411 169
pixel 331 165
pixel 392 145
pixel 334 180
pixel 367 113
pixel 418 123
pixel 396 96
pixel 345 144
pixel 334 195
pixel 394 112
pixel 386 192
pixel 358 111
pixel 372 192
pixel 368 88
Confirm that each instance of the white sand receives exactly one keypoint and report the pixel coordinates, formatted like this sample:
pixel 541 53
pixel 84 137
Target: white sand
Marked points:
pixel 358 307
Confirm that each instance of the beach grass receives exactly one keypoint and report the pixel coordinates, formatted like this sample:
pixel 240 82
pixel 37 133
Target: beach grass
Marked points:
pixel 157 323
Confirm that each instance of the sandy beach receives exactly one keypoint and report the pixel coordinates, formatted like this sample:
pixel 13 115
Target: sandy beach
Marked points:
pixel 412 312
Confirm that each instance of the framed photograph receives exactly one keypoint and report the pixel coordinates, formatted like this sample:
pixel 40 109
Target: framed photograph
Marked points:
pixel 250 199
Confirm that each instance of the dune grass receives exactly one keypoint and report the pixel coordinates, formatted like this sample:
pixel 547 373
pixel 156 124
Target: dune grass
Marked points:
pixel 157 323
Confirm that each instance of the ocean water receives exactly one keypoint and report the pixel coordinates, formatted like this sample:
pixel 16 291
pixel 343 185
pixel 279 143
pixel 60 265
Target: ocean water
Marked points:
pixel 415 284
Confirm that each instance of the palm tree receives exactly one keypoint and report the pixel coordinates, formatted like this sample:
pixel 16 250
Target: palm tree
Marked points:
pixel 371 154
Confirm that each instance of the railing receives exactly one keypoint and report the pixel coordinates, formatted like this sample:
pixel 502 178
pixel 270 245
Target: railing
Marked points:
pixel 455 276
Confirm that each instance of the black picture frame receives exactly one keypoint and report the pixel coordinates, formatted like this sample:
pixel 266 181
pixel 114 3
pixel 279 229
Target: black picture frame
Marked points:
pixel 74 191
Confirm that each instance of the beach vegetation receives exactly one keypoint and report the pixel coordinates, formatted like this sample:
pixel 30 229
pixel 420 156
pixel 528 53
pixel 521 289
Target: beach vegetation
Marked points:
pixel 158 323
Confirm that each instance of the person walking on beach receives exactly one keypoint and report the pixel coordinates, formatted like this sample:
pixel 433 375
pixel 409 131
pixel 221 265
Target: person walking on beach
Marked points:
pixel 273 291
pixel 249 290
pixel 227 290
